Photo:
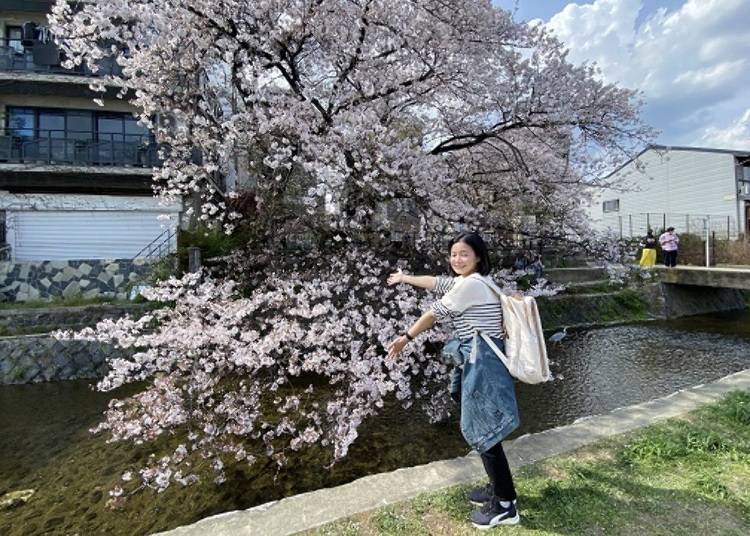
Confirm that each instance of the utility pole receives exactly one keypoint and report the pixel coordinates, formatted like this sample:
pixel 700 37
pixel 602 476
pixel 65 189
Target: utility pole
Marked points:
pixel 194 259
pixel 707 225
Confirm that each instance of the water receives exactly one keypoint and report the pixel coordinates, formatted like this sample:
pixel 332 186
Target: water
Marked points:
pixel 44 440
pixel 607 368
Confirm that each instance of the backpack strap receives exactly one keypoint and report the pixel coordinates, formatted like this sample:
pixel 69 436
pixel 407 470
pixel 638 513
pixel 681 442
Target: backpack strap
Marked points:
pixel 497 351
pixel 489 283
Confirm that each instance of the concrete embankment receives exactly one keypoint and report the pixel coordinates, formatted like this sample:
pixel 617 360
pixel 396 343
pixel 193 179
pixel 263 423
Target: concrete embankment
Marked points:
pixel 29 354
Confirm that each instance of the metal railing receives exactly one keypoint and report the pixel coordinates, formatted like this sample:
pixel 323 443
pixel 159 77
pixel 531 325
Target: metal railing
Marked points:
pixel 46 58
pixel 80 148
pixel 159 247
pixel 637 225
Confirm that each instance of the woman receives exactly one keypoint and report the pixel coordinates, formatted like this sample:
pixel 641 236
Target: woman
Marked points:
pixel 648 255
pixel 481 381
pixel 669 244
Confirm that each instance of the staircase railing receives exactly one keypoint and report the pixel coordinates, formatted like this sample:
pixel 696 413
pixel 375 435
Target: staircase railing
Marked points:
pixel 159 247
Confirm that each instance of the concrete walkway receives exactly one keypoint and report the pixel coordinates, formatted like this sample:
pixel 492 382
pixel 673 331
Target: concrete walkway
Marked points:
pixel 316 508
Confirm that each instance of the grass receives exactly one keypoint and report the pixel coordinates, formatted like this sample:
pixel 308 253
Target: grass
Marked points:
pixel 6 331
pixel 596 287
pixel 73 301
pixel 577 309
pixel 685 475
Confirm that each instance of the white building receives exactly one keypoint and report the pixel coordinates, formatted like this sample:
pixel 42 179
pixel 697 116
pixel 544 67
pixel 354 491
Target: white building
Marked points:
pixel 689 188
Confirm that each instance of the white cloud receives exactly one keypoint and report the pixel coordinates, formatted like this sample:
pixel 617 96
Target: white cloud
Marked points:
pixel 717 75
pixel 736 136
pixel 691 62
pixel 600 32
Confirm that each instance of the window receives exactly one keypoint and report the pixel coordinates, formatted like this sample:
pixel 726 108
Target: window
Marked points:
pixel 21 122
pixel 76 124
pixel 120 137
pixel 611 206
pixel 744 181
pixel 77 136
pixel 13 35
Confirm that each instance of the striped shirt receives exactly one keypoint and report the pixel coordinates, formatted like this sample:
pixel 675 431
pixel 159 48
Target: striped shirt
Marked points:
pixel 486 317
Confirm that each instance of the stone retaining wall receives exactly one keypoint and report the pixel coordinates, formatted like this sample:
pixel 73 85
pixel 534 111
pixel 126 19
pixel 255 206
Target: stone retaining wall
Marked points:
pixel 43 280
pixel 37 358
pixel 41 358
pixel 592 309
pixel 689 300
pixel 18 321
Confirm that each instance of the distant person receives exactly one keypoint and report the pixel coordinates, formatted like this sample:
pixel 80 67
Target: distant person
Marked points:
pixel 537 267
pixel 520 263
pixel 648 255
pixel 669 243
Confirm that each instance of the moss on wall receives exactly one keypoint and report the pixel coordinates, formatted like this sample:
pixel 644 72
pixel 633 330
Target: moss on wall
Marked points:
pixel 569 310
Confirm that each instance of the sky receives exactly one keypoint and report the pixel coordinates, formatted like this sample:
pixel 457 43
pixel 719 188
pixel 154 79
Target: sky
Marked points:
pixel 689 58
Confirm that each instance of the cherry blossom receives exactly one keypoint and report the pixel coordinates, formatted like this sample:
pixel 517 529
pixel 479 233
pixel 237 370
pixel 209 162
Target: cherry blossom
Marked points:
pixel 309 121
pixel 327 109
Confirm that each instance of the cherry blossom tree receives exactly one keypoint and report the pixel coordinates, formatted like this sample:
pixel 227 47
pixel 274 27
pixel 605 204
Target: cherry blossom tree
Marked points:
pixel 233 376
pixel 342 105
pixel 328 110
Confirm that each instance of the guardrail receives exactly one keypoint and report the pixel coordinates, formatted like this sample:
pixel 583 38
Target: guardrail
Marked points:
pixel 80 148
pixel 637 225
pixel 39 57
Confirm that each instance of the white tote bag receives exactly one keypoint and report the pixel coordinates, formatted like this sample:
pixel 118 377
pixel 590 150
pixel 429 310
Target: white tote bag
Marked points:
pixel 525 351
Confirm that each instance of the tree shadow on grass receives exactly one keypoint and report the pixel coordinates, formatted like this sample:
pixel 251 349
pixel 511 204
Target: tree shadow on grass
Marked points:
pixel 602 499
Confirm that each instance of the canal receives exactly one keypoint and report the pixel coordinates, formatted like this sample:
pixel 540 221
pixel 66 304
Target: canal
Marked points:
pixel 45 444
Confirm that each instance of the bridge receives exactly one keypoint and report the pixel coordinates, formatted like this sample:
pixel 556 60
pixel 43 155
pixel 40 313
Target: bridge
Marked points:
pixel 716 277
pixel 693 290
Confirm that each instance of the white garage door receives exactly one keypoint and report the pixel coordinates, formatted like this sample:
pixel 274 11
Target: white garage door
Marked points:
pixel 65 235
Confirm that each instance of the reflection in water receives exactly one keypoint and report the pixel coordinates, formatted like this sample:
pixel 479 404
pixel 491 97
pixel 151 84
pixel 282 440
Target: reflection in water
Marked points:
pixel 607 368
pixel 602 369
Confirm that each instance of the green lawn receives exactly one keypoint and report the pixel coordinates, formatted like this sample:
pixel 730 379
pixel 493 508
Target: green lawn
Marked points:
pixel 686 476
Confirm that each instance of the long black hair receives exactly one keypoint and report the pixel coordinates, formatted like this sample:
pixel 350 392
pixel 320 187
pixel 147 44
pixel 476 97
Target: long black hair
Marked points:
pixel 475 242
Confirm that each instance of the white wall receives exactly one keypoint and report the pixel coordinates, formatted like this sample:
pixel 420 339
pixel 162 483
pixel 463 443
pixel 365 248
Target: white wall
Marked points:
pixel 677 183
pixel 70 226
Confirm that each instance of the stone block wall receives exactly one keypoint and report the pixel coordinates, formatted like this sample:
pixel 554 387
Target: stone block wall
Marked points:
pixel 592 309
pixel 42 358
pixel 44 280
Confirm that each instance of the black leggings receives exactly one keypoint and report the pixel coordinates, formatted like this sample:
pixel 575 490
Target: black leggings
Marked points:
pixel 496 465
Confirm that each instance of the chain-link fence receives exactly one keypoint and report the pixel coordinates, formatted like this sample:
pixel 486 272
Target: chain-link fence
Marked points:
pixel 637 225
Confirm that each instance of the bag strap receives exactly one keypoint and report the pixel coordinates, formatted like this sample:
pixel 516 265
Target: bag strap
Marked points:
pixel 489 283
pixel 498 352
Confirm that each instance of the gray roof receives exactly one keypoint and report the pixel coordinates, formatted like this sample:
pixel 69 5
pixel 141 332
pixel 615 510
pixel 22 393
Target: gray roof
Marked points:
pixel 657 147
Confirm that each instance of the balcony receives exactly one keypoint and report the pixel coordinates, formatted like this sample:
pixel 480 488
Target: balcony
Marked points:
pixel 77 148
pixel 45 58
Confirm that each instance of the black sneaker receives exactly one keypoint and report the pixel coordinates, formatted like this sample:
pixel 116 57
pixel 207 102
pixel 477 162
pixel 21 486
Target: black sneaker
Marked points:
pixel 479 496
pixel 493 514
